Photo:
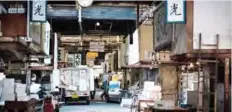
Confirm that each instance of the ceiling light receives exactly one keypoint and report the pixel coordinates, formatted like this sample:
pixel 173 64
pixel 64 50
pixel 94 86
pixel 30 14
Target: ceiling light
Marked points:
pixel 97 24
pixel 191 65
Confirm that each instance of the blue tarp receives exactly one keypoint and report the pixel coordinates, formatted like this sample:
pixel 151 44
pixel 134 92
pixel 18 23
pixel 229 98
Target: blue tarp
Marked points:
pixel 114 85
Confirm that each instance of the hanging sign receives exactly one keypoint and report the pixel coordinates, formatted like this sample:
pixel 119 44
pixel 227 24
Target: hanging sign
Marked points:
pixel 16 9
pixel 175 11
pixel 46 38
pixel 39 9
pixel 97 46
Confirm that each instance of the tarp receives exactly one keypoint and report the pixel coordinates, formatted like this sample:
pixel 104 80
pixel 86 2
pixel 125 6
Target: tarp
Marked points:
pixel 114 85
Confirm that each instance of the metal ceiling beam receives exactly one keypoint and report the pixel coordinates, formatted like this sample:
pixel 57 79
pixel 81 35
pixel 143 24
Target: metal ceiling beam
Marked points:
pixel 73 39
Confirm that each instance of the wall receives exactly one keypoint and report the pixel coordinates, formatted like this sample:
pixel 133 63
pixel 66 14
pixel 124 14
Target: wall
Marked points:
pixel 133 49
pixel 211 18
pixel 145 41
pixel 14 25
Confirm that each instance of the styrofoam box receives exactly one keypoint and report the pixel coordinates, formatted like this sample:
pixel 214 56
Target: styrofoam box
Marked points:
pixel 23 98
pixel 8 97
pixel 8 89
pixel 126 103
pixel 9 82
pixel 21 94
pixel 35 88
pixel 148 85
pixel 19 85
pixel 8 86
pixel 35 96
pixel 20 89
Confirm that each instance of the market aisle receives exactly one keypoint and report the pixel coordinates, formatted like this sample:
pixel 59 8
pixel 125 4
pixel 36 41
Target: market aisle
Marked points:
pixel 94 107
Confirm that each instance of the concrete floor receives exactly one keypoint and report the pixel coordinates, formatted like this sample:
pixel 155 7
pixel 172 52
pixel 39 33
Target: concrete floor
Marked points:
pixel 94 107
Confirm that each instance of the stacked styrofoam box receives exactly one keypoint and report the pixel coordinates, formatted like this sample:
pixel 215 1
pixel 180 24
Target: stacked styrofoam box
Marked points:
pixel 126 102
pixel 8 90
pixel 1 89
pixel 151 91
pixel 35 88
pixel 20 90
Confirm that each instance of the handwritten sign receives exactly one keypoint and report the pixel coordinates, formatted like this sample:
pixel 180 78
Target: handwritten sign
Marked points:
pixel 175 11
pixel 39 10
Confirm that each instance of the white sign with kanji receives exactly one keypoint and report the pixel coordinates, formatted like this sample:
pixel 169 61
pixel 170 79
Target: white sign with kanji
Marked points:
pixel 39 10
pixel 175 10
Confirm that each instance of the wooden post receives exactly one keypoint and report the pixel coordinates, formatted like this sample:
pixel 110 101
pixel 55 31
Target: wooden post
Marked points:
pixel 226 85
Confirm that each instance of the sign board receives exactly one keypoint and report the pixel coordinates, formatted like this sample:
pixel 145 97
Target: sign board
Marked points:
pixel 92 55
pixel 16 9
pixel 175 11
pixel 77 59
pixel 97 46
pixel 70 60
pixel 115 78
pixel 46 38
pixel 39 10
pixel 61 54
pixel 26 39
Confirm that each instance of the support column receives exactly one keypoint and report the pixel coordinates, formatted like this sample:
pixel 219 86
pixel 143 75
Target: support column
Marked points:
pixel 28 71
pixel 227 86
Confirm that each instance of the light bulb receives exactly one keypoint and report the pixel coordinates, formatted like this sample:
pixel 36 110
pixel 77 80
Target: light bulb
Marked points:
pixel 97 24
pixel 191 65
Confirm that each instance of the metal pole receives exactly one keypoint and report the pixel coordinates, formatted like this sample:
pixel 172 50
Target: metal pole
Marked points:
pixel 227 85
pixel 28 72
pixel 55 59
pixel 216 75
pixel 28 18
pixel 199 98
